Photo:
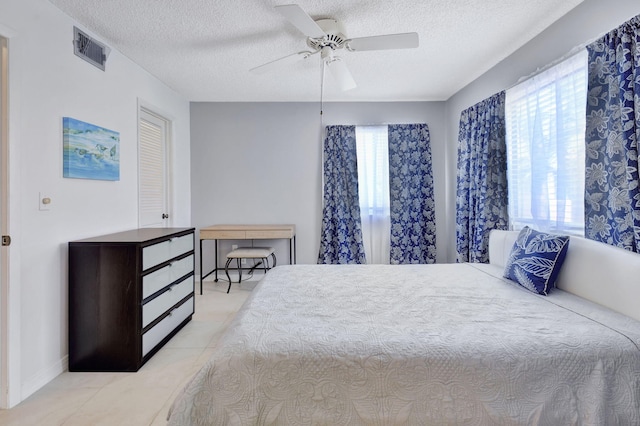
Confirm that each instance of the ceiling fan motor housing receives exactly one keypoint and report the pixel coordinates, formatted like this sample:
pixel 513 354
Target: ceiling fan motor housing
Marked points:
pixel 334 38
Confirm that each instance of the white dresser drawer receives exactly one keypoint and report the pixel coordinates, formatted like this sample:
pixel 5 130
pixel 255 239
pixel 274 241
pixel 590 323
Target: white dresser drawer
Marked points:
pixel 159 279
pixel 159 305
pixel 152 337
pixel 161 252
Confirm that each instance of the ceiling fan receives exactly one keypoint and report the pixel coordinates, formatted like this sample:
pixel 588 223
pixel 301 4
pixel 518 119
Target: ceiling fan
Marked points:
pixel 327 36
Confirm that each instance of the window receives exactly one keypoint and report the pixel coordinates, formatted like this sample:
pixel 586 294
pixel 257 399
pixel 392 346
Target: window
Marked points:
pixel 373 169
pixel 373 189
pixel 545 120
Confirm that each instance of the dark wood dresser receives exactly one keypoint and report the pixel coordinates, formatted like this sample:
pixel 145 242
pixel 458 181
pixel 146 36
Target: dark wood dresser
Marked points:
pixel 129 293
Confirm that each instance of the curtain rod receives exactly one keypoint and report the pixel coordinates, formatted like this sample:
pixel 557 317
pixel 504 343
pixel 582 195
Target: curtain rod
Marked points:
pixel 376 124
pixel 573 51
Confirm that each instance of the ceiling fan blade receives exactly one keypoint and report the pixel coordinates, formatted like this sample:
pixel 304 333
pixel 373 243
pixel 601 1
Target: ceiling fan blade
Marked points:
pixel 383 42
pixel 280 62
pixel 342 75
pixel 299 18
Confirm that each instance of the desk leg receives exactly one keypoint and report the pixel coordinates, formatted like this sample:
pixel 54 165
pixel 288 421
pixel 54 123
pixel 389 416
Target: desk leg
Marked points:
pixel 216 259
pixel 292 251
pixel 201 271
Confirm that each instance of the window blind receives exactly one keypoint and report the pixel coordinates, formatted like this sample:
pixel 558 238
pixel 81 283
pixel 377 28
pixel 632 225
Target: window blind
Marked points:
pixel 373 168
pixel 545 125
pixel 372 147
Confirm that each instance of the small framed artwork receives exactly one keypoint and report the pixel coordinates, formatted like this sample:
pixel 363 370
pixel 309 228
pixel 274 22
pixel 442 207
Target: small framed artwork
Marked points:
pixel 90 151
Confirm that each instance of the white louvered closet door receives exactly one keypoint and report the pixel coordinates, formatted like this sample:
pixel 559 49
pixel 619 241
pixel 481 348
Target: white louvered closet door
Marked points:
pixel 153 208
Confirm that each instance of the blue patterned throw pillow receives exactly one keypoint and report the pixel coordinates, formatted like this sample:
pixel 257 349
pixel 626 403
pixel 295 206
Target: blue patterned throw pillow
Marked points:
pixel 535 260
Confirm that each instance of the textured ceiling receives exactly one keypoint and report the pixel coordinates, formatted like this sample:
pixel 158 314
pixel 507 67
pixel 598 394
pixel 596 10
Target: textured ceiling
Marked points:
pixel 203 49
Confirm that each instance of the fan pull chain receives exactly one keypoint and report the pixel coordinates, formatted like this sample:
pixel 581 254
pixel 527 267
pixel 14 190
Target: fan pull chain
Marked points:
pixel 321 88
pixel 322 131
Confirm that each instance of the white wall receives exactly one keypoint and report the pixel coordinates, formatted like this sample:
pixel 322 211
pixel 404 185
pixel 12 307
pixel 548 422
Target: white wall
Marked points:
pixel 586 22
pixel 48 82
pixel 261 163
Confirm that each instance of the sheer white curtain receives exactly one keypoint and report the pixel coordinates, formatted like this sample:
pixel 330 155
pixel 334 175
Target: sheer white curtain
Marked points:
pixel 545 120
pixel 373 182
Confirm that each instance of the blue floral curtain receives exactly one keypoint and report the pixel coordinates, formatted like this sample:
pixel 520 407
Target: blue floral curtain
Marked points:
pixel 413 226
pixel 612 197
pixel 341 236
pixel 481 199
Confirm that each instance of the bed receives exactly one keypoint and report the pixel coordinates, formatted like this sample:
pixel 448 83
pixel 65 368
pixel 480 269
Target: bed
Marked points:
pixel 426 344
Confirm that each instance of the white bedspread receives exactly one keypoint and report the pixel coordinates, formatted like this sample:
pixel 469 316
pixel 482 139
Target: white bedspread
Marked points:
pixel 415 344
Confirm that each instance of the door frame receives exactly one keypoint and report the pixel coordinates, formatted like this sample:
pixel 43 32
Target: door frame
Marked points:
pixel 10 367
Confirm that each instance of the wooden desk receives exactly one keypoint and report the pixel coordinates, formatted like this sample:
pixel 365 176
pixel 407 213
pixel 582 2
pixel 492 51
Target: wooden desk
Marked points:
pixel 245 232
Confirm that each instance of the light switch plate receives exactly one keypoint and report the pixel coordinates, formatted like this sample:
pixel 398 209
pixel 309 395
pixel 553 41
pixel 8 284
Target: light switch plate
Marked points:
pixel 44 201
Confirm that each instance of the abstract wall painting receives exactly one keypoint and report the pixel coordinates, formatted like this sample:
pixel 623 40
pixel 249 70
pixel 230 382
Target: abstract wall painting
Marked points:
pixel 90 151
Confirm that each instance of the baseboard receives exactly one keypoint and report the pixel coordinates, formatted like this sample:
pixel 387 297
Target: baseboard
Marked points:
pixel 44 376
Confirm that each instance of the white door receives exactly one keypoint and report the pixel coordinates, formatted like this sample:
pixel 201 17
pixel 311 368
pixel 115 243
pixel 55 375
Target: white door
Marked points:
pixel 153 167
pixel 4 197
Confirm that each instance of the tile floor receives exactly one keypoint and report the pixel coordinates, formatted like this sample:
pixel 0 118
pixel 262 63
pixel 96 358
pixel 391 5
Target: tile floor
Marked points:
pixel 141 398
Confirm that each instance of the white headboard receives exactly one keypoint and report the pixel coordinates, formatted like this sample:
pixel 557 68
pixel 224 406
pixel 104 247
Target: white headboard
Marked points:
pixel 604 274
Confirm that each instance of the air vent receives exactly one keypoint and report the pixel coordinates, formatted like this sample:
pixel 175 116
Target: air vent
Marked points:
pixel 89 49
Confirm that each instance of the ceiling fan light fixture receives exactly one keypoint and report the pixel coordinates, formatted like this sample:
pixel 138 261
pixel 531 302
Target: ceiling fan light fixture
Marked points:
pixel 327 54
